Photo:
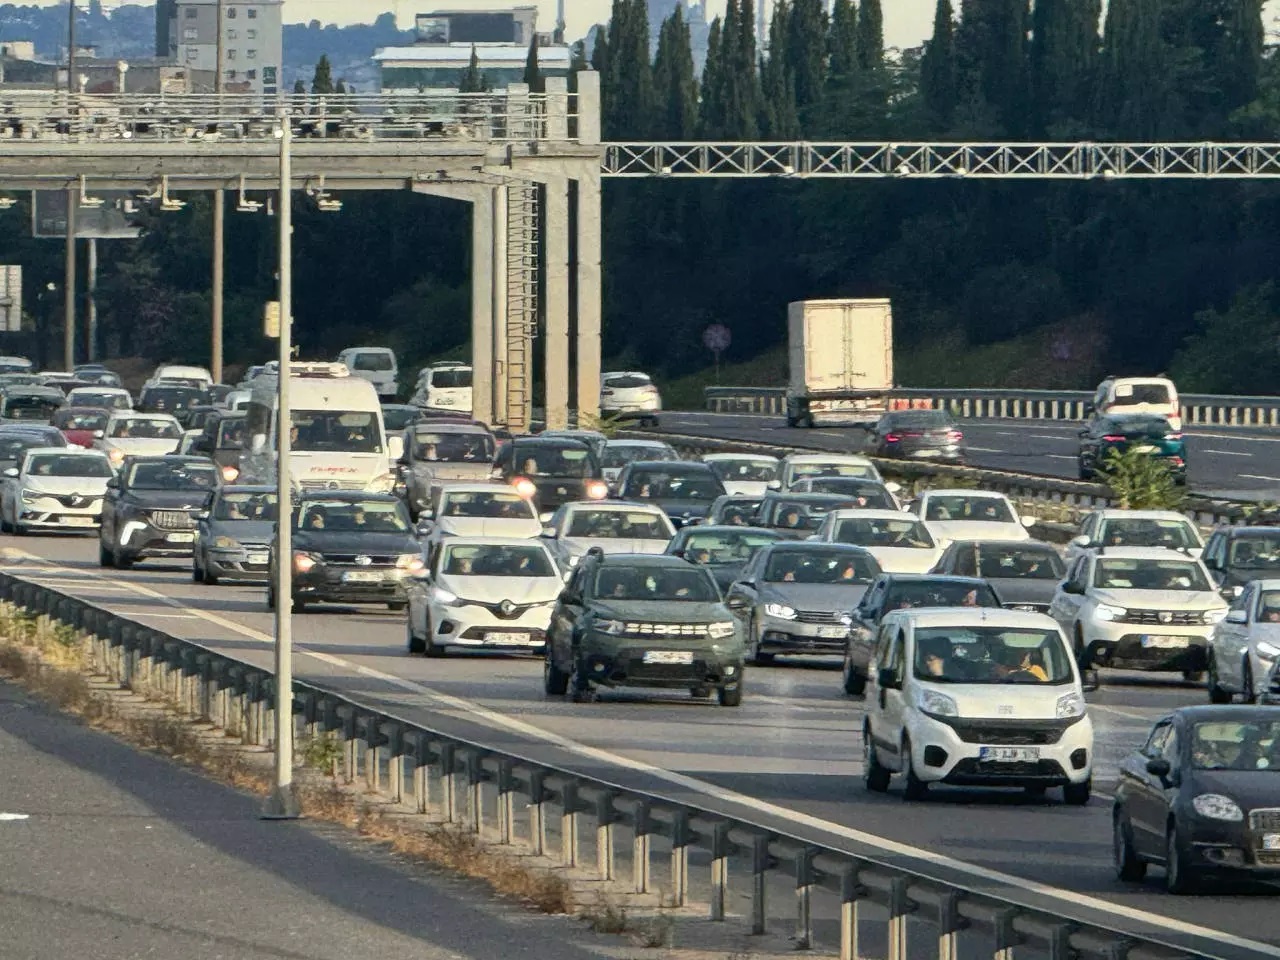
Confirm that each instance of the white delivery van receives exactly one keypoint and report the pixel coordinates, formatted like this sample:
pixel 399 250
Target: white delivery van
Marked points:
pixel 836 348
pixel 375 364
pixel 177 371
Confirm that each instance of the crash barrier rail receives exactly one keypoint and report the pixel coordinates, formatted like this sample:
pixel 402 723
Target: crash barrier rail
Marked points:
pixel 480 789
pixel 1199 410
pixel 506 116
pixel 1072 496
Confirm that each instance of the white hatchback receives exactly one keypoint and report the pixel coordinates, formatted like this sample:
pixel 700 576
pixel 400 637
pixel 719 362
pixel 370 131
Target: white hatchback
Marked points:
pixel 630 394
pixel 480 510
pixel 900 543
pixel 139 435
pixel 971 515
pixel 54 488
pixel 749 474
pixel 1245 646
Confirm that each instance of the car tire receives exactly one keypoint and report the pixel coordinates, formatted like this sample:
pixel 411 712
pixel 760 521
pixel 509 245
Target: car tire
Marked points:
pixel 875 777
pixel 1130 867
pixel 297 605
pixel 1214 685
pixel 555 682
pixel 121 562
pixel 580 689
pixel 699 693
pixel 1179 879
pixel 430 647
pixel 197 575
pixel 105 559
pixel 759 657
pixel 1084 472
pixel 413 642
pixel 4 523
pixel 855 684
pixel 1077 794
pixel 18 529
pixel 271 597
pixel 914 788
pixel 730 696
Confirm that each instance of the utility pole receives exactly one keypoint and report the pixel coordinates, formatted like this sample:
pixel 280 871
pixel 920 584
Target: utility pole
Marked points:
pixel 71 48
pixel 91 306
pixel 219 220
pixel 73 199
pixel 283 802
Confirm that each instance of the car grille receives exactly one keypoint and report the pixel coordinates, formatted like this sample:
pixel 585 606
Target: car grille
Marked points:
pixel 1268 819
pixel 349 560
pixel 514 612
pixel 312 485
pixel 818 616
pixel 1007 732
pixel 172 520
pixel 637 669
pixel 1165 618
pixel 631 629
pixel 1267 858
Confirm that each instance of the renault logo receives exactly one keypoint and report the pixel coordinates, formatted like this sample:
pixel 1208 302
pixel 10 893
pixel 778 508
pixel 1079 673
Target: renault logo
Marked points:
pixel 75 500
pixel 1166 616
pixel 507 607
pixel 363 561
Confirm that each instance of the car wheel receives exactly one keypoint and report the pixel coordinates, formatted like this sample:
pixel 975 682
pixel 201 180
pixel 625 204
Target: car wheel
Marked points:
pixel 121 562
pixel 432 649
pixel 874 776
pixel 197 575
pixel 207 578
pixel 1216 693
pixel 759 657
pixel 17 529
pixel 699 693
pixel 855 684
pixel 413 642
pixel 1084 472
pixel 554 680
pixel 297 605
pixel 1077 794
pixel 731 695
pixel 105 559
pixel 4 523
pixel 1246 682
pixel 1129 866
pixel 580 688
pixel 1178 876
pixel 271 597
pixel 914 788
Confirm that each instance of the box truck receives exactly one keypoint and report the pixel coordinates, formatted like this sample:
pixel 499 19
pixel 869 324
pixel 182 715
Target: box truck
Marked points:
pixel 841 355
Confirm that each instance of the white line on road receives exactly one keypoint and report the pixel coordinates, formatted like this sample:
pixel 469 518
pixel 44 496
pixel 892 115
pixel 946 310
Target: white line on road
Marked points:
pixel 1254 476
pixel 983 449
pixel 1229 453
pixel 1059 456
pixel 15 816
pixel 171 616
pixel 1048 436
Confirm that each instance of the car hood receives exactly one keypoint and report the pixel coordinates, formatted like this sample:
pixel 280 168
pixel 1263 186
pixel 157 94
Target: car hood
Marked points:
pixel 1250 789
pixel 577 546
pixel 519 590
pixel 746 488
pixel 168 499
pixel 905 559
pixel 142 446
pixel 976 530
pixel 345 541
pixel 1162 599
pixel 60 485
pixel 489 526
pixel 1004 701
pixel 1016 590
pixel 243 531
pixel 436 470
pixel 834 597
pixel 661 611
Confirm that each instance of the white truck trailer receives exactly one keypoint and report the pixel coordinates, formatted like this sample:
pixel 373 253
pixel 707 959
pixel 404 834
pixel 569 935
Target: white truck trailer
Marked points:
pixel 841 355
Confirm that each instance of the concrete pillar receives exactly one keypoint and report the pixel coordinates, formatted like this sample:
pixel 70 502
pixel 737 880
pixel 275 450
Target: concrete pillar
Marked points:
pixel 556 291
pixel 498 291
pixel 589 292
pixel 482 306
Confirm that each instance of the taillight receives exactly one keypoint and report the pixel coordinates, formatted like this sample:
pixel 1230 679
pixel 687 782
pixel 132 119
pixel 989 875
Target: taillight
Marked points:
pixel 596 489
pixel 525 487
pixel 892 437
pixel 954 435
pixel 1173 436
pixel 230 474
pixel 1111 438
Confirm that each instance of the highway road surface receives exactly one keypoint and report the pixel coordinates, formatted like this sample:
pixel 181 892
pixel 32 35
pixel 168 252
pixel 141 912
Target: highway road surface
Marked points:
pixel 1222 462
pixel 788 758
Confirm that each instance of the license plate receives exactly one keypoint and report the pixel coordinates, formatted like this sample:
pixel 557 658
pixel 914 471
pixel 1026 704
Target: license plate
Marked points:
pixel 927 453
pixel 668 656
pixel 506 638
pixel 1145 448
pixel 181 538
pixel 1009 754
pixel 1271 841
pixel 259 558
pixel 1163 643
pixel 78 521
pixel 832 633
pixel 361 576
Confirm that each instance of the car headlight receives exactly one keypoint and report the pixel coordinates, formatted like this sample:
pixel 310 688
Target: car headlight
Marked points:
pixel 525 487
pixel 411 562
pixel 573 561
pixel 1070 705
pixel 383 483
pixel 303 562
pixel 230 474
pixel 444 597
pixel 1214 616
pixel 720 630
pixel 1104 611
pixel 939 704
pixel 1267 650
pixel 226 543
pixel 115 455
pixel 780 610
pixel 612 627
pixel 596 489
pixel 1214 806
pixel 31 496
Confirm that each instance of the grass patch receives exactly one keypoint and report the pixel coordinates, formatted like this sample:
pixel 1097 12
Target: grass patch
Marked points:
pixel 768 369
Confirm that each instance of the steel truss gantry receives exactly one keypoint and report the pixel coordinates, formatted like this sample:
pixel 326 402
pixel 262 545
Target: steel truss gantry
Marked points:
pixel 987 161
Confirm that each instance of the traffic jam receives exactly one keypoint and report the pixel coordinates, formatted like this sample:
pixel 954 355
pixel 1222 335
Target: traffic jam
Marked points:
pixel 969 645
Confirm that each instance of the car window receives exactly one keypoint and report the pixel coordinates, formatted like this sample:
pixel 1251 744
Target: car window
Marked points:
pixel 905 533
pixel 831 469
pixel 1246 744
pixel 617 524
pixel 142 428
pixel 1148 532
pixel 553 460
pixel 627 381
pixel 67 465
pixel 496 560
pixel 1155 742
pixel 725 546
pixel 442 446
pixel 620 454
pixel 820 566
pixel 1146 574
pixel 1131 393
pixel 332 431
pixel 173 476
pixel 999 561
pixel 231 432
pixel 1268 606
pixel 248 507
pixel 500 504
pixel 373 362
pixel 451 379
pixel 906 594
pixel 748 471
pixel 985 509
pixel 667 583
pixel 353 516
pixel 1255 551
pixel 672 485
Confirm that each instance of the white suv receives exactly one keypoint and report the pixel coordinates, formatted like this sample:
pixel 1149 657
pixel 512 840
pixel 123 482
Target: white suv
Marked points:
pixel 1112 528
pixel 375 364
pixel 630 394
pixel 975 697
pixel 1153 395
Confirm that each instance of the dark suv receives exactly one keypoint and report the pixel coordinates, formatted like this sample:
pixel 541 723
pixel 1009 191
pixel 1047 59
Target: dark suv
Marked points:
pixel 1237 555
pixel 633 620
pixel 684 491
pixel 151 507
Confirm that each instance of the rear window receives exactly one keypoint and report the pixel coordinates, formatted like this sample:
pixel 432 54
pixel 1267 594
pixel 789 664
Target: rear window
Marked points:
pixel 1148 532
pixel 373 362
pixel 631 380
pixel 30 408
pixel 622 454
pixel 921 419
pixel 451 379
pixel 1127 393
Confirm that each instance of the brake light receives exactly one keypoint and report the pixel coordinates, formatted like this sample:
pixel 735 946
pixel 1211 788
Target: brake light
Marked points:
pixel 954 435
pixel 1173 436
pixel 1112 438
pixel 596 489
pixel 525 487
pixel 892 437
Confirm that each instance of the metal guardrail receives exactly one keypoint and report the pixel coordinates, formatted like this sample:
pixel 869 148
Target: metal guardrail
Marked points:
pixel 477 788
pixel 1201 410
pixel 43 116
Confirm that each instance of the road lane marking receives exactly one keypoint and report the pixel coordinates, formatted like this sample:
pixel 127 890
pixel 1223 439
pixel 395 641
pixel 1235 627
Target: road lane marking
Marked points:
pixel 1048 436
pixel 1254 476
pixel 503 722
pixel 1058 456
pixel 15 816
pixel 972 449
pixel 1229 453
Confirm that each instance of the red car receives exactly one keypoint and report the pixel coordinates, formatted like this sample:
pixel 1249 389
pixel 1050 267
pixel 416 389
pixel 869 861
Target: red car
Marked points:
pixel 81 425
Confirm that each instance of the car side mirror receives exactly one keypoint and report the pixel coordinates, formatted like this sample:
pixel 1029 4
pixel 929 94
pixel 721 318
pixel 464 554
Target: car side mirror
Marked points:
pixel 1237 616
pixel 888 679
pixel 395 447
pixel 737 603
pixel 1159 767
pixel 113 483
pixel 1072 587
pixel 569 597
pixel 11 472
pixel 1081 541
pixel 1028 521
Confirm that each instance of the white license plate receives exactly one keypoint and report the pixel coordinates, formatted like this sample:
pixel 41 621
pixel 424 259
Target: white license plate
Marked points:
pixel 259 558
pixel 1163 643
pixel 1009 754
pixel 1145 448
pixel 927 453
pixel 506 638
pixel 832 633
pixel 361 576
pixel 668 656
pixel 1271 841
pixel 78 521
pixel 181 538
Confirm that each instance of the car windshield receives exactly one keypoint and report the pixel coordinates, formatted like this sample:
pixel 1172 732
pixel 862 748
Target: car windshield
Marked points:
pixel 908 594
pixel 1145 574
pixel 553 460
pixel 451 379
pixel 991 655
pixel 79 420
pixel 376 361
pixel 11 448
pixel 1007 562
pixel 617 525
pixel 669 583
pixel 961 507
pixel 1255 551
pixel 496 560
pixel 798 515
pixel 739 513
pixel 883 532
pixel 353 516
pixel 745 471
pixel 172 476
pixel 627 381
pixel 820 566
pixel 31 408
pixel 1153 427
pixel 619 455
pixel 726 546
pixel 1131 393
pixel 800 471
pixel 444 447
pixel 144 428
pixel 171 398
pixel 496 505
pixel 1252 744
pixel 867 493
pixel 231 432
pixel 664 485
pixel 108 401
pixel 1147 532
pixel 236 506
pixel 396 419
pixel 332 431
pixel 66 465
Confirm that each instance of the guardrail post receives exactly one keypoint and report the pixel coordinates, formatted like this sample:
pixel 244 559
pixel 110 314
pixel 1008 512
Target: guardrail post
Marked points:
pixel 447 781
pixel 640 867
pixel 1007 938
pixel 760 885
pixel 804 900
pixel 475 793
pixel 850 893
pixel 537 813
pixel 372 768
pixel 1060 942
pixel 422 773
pixel 719 870
pixel 506 802
pixel 680 838
pixel 605 819
pixel 899 908
pixel 395 764
pixel 569 847
pixel 350 747
pixel 949 924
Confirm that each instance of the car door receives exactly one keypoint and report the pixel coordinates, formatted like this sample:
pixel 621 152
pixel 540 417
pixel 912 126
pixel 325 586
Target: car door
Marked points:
pixel 110 507
pixel 1147 807
pixel 568 613
pixel 876 699
pixel 1069 597
pixel 892 699
pixel 419 587
pixel 1230 641
pixel 1214 556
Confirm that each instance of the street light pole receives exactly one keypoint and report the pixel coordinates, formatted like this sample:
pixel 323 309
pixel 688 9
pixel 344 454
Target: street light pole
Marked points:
pixel 71 48
pixel 69 283
pixel 219 219
pixel 283 802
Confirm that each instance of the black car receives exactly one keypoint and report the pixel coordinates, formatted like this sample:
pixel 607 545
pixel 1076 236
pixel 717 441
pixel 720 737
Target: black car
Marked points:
pixel 397 417
pixel 550 471
pixel 34 404
pixel 350 548
pixel 918 435
pixel 1119 433
pixel 796 516
pixel 16 439
pixel 1202 797
pixel 898 591
pixel 733 509
pixel 196 416
pixel 870 494
pixel 151 509
pixel 1236 556
pixel 170 398
pixel 683 489
pixel 1024 574
pixel 723 550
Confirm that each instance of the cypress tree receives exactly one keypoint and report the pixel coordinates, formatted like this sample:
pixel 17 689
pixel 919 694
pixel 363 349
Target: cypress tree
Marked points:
pixel 781 119
pixel 627 75
pixel 472 80
pixel 807 51
pixel 870 35
pixel 532 71
pixel 322 81
pixel 991 48
pixel 843 44
pixel 675 86
pixel 1063 60
pixel 299 87
pixel 939 82
pixel 710 115
pixel 1134 89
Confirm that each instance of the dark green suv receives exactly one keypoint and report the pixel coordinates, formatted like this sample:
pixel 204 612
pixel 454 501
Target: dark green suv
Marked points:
pixel 632 620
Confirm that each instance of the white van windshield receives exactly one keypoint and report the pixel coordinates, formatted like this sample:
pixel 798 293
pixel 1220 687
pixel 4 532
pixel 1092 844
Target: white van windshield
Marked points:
pixel 991 655
pixel 332 431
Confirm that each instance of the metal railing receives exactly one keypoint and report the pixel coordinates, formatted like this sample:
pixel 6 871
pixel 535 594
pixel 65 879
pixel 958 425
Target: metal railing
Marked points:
pixel 993 404
pixel 481 790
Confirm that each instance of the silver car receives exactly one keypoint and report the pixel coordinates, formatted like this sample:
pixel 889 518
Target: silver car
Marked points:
pixel 613 527
pixel 1245 647
pixel 233 539
pixel 436 453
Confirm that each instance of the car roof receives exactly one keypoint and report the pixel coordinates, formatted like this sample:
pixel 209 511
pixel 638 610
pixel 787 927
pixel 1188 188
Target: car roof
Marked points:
pixel 99 388
pixel 1207 713
pixel 1040 545
pixel 444 425
pixel 854 513
pixel 623 442
pixel 68 451
pixel 806 546
pixel 618 506
pixel 542 439
pixel 80 409
pixel 136 415
pixel 1243 529
pixel 36 428
pixel 848 458
pixel 720 457
pixel 934 578
pixel 624 373
pixel 975 617
pixel 1164 380
pixel 168 458
pixel 494 542
pixel 790 497
pixel 963 492
pixel 641 560
pixel 1143 553
pixel 1117 513
pixel 725 528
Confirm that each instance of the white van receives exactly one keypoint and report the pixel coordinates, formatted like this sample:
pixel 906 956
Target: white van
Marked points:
pixel 1152 395
pixel 340 443
pixel 972 696
pixel 444 386
pixel 375 364
pixel 176 371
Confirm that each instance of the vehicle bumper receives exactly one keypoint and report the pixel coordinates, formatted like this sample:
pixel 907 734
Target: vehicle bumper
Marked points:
pixel 332 585
pixel 478 627
pixel 1122 646
pixel 623 666
pixel 153 544
pixel 38 518
pixel 237 564
pixel 1231 849
pixel 932 454
pixel 615 408
pixel 942 753
pixel 792 636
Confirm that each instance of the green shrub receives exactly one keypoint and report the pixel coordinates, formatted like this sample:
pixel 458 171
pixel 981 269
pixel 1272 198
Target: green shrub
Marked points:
pixel 1139 481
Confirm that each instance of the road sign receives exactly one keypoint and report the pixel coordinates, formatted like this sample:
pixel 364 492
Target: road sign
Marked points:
pixel 271 319
pixel 716 338
pixel 10 298
pixel 107 222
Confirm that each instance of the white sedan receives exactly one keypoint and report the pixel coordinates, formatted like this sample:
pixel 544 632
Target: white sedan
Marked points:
pixel 54 488
pixel 971 515
pixel 129 434
pixel 1245 646
pixel 899 542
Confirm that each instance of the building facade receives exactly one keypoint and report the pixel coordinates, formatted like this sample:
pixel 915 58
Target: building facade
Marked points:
pixel 252 42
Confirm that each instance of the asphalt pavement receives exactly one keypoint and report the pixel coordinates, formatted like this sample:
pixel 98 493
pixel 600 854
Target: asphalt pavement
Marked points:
pixel 788 758
pixel 1230 463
